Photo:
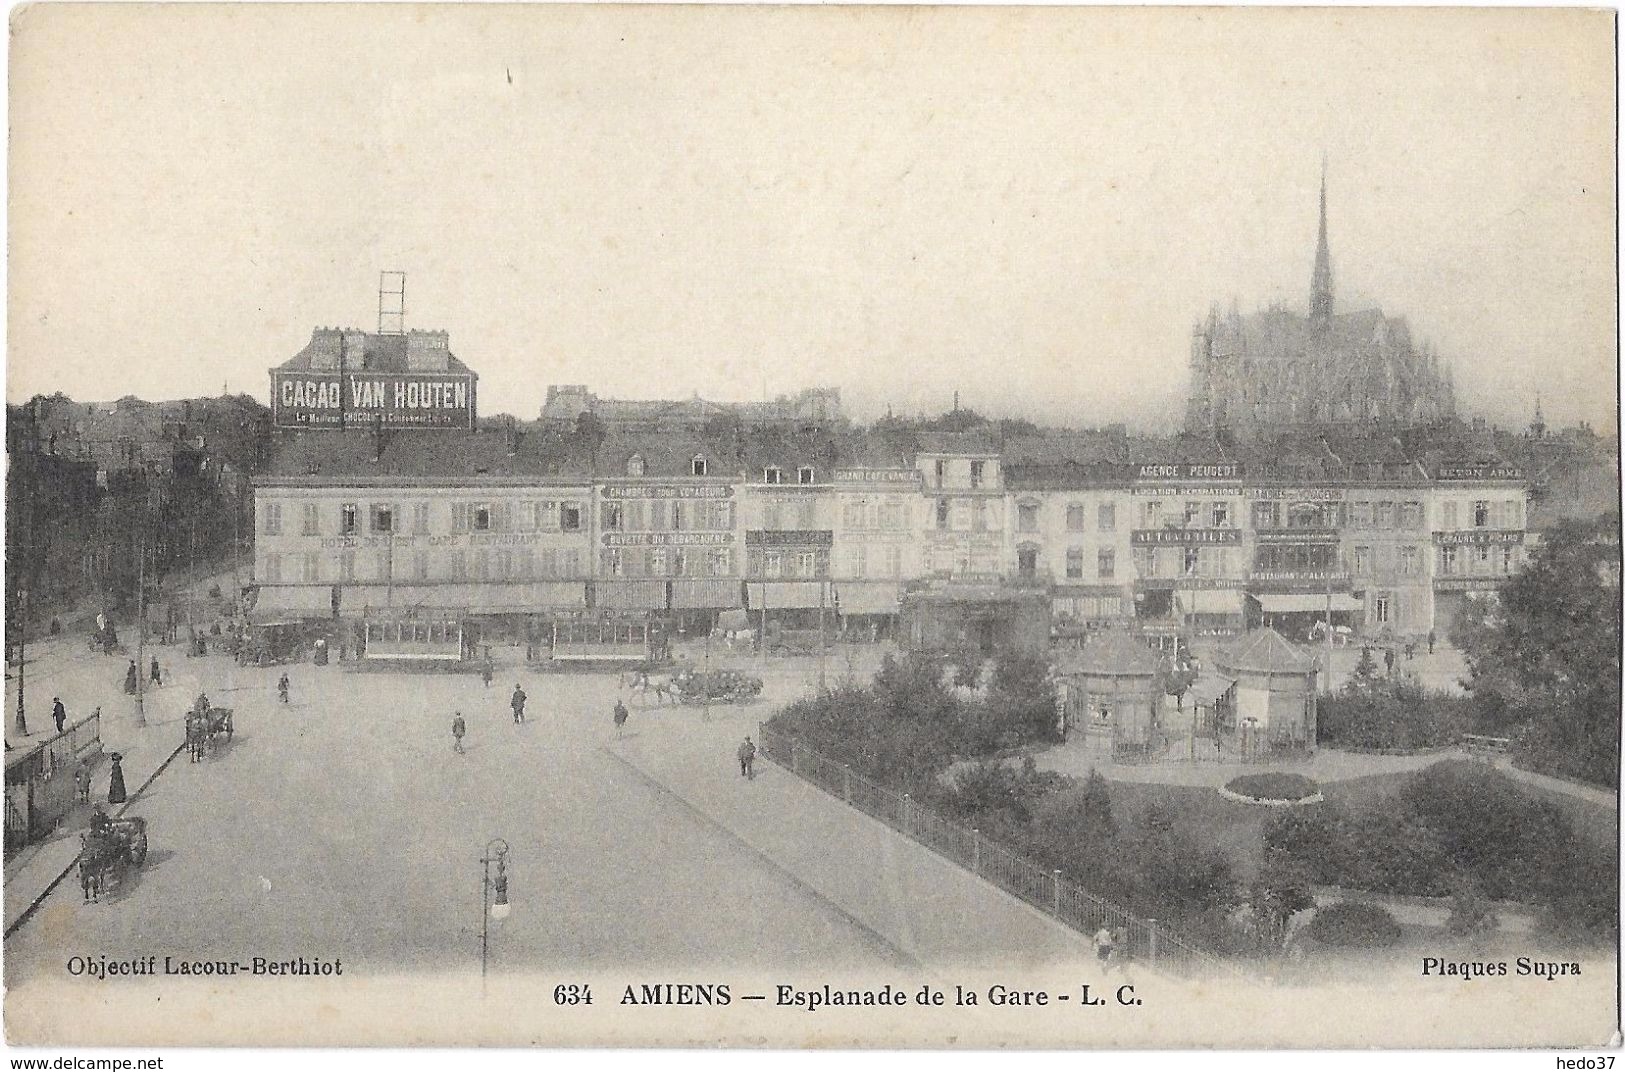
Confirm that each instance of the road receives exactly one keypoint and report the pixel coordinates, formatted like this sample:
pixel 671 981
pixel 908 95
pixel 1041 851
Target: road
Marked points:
pixel 344 825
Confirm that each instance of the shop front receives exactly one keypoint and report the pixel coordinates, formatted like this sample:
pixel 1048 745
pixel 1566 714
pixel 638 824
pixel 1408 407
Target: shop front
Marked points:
pixel 285 622
pixel 1303 615
pixel 954 615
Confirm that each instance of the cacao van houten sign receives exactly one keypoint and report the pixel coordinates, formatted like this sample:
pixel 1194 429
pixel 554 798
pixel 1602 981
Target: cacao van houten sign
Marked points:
pixel 305 399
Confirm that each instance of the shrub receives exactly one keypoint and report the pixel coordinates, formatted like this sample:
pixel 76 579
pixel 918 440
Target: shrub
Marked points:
pixel 1351 924
pixel 1273 785
pixel 1471 913
pixel 1387 714
pixel 1310 835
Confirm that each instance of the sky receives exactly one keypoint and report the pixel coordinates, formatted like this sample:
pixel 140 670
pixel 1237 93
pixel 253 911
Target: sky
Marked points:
pixel 1029 206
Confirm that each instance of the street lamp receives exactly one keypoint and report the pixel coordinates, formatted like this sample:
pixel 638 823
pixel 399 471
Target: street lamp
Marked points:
pixel 493 895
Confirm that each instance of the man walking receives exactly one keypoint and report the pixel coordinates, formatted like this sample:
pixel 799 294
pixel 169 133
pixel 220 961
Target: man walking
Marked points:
pixel 1104 941
pixel 59 714
pixel 458 728
pixel 156 675
pixel 518 703
pixel 747 759
pixel 282 688
pixel 620 717
pixel 1432 638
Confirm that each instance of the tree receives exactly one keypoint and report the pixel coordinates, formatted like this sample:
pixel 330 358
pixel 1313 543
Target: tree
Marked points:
pixel 1550 647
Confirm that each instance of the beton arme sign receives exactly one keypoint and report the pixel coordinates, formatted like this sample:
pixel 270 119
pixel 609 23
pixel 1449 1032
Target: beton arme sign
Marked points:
pixel 305 399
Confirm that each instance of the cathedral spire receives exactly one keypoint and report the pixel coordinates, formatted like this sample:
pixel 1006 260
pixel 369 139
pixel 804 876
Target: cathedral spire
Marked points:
pixel 1320 287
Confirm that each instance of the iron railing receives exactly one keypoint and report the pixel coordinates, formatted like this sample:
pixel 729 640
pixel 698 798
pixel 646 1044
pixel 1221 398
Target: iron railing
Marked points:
pixel 1048 890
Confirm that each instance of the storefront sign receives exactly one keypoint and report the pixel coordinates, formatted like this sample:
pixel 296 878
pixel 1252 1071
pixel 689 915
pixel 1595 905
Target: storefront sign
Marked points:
pixel 305 399
pixel 1207 491
pixel 1301 494
pixel 1309 536
pixel 789 537
pixel 1152 537
pixel 1468 584
pixel 667 491
pixel 1302 577
pixel 667 539
pixel 1479 537
pixel 877 476
pixel 1189 584
pixel 1480 472
pixel 1191 471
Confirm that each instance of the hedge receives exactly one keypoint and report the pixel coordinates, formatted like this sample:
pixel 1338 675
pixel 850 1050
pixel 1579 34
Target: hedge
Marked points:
pixel 1353 924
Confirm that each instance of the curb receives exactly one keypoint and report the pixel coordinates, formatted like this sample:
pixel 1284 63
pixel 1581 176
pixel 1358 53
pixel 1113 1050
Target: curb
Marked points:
pixel 51 886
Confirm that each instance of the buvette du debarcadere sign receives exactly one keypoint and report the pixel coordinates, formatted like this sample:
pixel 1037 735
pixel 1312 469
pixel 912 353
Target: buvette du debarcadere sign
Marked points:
pixel 305 399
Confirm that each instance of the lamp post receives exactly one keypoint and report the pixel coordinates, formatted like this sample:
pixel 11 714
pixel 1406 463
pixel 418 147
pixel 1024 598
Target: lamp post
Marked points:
pixel 22 657
pixel 493 896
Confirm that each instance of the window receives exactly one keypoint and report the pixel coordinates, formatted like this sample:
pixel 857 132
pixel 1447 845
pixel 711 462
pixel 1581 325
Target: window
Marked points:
pixel 961 515
pixel 273 569
pixel 1384 607
pixel 1106 565
pixel 634 465
pixel 1074 517
pixel 347 519
pixel 1481 514
pixel 1481 561
pixel 1449 519
pixel 697 465
pixel 456 566
pixel 1409 561
pixel 1107 521
pixel 976 473
pixel 420 517
pixel 804 475
pixel 1027 517
pixel 804 512
pixel 721 562
pixel 891 516
pixel 611 561
pixel 1511 515
pixel 658 561
pixel 1145 561
pixel 942 513
pixel 1193 514
pixel 807 564
pixel 1509 559
pixel 1150 514
pixel 570 517
pixel 420 565
pixel 384 566
pixel 1410 516
pixel 1074 563
pixel 1266 515
pixel 677 518
pixel 311 568
pixel 612 517
pixel 773 564
pixel 1385 515
pixel 1362 560
pixel 1220 515
pixel 1447 560
pixel 383 518
pixel 1360 515
pixel 313 522
pixel 772 475
pixel 273 519
pixel 942 471
pixel 1193 561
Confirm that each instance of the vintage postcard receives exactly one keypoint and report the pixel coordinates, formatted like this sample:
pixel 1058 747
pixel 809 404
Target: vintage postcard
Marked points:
pixel 929 527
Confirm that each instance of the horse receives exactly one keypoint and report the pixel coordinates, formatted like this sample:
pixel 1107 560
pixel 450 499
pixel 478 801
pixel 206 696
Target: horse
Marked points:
pixel 661 685
pixel 101 859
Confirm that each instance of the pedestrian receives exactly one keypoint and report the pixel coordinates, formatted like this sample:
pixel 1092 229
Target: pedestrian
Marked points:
pixel 81 782
pixel 747 758
pixel 116 793
pixel 59 714
pixel 1388 660
pixel 1105 942
pixel 282 688
pixel 518 703
pixel 130 676
pixel 1432 637
pixel 458 728
pixel 156 675
pixel 485 673
pixel 620 717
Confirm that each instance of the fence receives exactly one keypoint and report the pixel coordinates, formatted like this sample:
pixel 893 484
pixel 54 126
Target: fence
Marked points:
pixel 1047 890
pixel 40 782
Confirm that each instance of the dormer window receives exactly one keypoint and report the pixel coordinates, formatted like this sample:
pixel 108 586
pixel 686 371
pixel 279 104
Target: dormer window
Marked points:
pixel 804 475
pixel 634 465
pixel 697 465
pixel 772 475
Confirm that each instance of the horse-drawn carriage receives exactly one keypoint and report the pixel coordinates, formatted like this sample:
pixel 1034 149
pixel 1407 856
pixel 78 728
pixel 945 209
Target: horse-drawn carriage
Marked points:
pixel 206 727
pixel 110 848
pixel 696 686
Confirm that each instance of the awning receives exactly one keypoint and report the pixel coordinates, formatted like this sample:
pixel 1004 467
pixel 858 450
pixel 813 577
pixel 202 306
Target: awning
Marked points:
pixel 1207 689
pixel 1304 602
pixel 630 595
pixel 789 595
pixel 869 597
pixel 711 593
pixel 526 598
pixel 289 604
pixel 1211 601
